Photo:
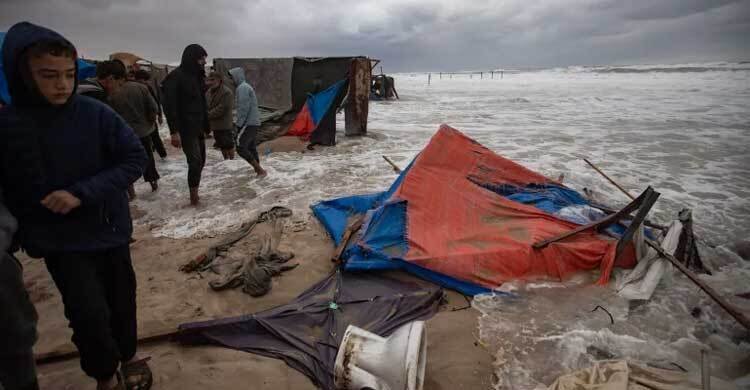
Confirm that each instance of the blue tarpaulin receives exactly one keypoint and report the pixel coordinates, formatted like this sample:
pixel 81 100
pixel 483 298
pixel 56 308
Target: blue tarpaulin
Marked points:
pixel 385 240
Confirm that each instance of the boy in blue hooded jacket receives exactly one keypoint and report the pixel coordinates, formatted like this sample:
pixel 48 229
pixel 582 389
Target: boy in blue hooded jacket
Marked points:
pixel 66 161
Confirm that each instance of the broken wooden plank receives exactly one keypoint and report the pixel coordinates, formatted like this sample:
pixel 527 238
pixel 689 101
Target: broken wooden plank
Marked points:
pixel 606 221
pixel 350 231
pixel 729 308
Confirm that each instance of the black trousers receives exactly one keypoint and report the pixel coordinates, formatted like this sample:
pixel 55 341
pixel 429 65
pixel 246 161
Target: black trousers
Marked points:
pixel 194 147
pixel 98 292
pixel 158 144
pixel 246 147
pixel 149 174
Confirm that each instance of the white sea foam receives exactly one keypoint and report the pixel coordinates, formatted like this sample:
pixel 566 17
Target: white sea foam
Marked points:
pixel 687 134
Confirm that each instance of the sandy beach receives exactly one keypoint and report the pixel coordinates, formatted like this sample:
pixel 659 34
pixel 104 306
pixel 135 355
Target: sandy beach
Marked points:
pixel 167 297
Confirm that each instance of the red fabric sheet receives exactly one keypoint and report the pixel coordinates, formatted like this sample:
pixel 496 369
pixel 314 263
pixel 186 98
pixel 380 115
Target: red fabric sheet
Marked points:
pixel 303 124
pixel 460 229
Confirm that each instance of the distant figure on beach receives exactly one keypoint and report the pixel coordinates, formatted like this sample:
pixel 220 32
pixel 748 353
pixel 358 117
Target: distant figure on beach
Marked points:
pixel 66 161
pixel 220 101
pixel 110 75
pixel 186 112
pixel 135 104
pixel 144 78
pixel 247 120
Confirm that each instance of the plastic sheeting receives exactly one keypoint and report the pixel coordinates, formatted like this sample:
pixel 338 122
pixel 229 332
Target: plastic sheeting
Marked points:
pixel 447 219
pixel 640 283
pixel 306 333
pixel 312 113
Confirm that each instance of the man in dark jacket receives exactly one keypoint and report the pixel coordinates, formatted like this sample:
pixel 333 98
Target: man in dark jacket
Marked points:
pixel 17 314
pixel 66 161
pixel 187 117
pixel 144 78
pixel 134 104
pixel 220 101
pixel 110 75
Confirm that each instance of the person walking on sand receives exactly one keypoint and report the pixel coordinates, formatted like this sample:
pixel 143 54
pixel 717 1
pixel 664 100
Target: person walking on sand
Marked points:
pixel 220 101
pixel 144 78
pixel 247 121
pixel 65 163
pixel 135 104
pixel 187 117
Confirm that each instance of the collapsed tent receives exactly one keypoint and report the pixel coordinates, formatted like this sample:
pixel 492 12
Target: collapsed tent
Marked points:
pixel 467 218
pixel 307 332
pixel 282 86
pixel 316 121
pixel 85 70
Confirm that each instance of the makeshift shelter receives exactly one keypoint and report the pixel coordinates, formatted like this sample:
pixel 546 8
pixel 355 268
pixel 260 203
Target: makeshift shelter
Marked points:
pixel 469 219
pixel 306 333
pixel 85 70
pixel 282 86
pixel 316 121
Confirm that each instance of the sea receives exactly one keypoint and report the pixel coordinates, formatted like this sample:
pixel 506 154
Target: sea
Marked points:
pixel 682 129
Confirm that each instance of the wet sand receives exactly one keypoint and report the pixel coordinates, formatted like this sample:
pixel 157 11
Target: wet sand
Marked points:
pixel 168 297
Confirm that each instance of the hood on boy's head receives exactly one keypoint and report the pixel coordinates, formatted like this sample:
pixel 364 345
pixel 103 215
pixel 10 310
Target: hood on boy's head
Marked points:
pixel 238 75
pixel 18 39
pixel 190 57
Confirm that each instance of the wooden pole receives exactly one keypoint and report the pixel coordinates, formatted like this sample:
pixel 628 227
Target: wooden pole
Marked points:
pixel 736 314
pixel 429 78
pixel 705 370
pixel 624 191
pixel 740 317
pixel 393 164
pixel 72 352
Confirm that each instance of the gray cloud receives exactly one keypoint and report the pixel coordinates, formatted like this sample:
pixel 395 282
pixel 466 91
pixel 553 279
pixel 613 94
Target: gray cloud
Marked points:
pixel 405 34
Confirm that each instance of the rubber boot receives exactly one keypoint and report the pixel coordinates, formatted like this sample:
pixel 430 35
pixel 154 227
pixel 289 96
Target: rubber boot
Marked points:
pixel 194 198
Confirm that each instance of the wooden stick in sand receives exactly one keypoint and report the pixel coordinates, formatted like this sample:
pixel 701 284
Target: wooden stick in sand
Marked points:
pixel 624 191
pixel 736 314
pixel 393 164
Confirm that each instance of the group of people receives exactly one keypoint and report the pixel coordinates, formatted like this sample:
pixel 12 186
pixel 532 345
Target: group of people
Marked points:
pixel 69 152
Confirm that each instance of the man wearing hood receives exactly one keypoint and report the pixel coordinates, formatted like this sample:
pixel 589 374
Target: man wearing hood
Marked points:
pixel 248 120
pixel 66 161
pixel 186 112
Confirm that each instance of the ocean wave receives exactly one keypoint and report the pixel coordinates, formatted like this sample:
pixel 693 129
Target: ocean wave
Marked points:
pixel 669 69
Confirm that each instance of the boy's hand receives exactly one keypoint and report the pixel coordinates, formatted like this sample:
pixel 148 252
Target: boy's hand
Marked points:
pixel 176 142
pixel 61 202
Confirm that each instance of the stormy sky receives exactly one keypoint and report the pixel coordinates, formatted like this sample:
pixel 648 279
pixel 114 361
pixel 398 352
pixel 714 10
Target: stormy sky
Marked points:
pixel 408 35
